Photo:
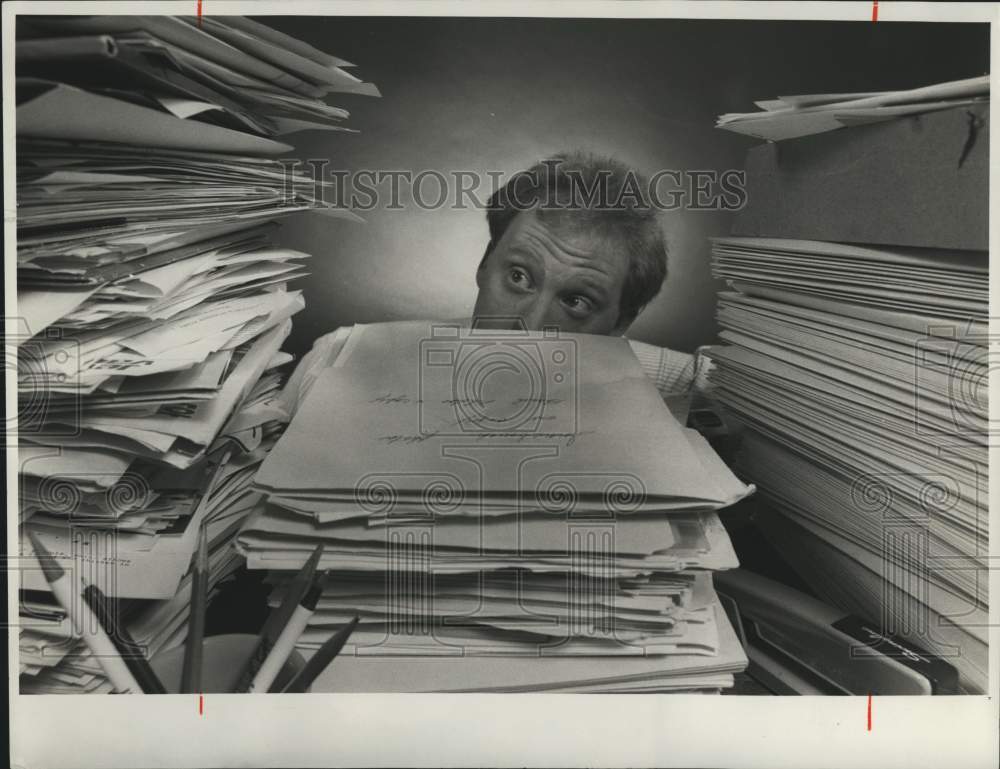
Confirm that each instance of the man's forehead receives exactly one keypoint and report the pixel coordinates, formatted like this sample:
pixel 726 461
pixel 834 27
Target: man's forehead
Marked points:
pixel 574 236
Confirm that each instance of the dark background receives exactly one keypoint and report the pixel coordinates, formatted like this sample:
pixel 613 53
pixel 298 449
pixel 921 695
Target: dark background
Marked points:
pixel 499 94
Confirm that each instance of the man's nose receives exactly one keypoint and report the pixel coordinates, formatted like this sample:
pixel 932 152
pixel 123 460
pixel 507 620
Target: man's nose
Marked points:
pixel 541 313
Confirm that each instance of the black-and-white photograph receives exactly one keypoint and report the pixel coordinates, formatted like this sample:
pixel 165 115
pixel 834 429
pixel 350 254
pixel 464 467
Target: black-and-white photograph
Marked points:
pixel 487 352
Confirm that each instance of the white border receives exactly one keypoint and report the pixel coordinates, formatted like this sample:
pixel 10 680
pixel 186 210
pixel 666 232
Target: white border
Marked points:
pixel 508 730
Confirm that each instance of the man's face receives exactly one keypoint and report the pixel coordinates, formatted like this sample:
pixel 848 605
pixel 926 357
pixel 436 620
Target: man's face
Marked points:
pixel 552 276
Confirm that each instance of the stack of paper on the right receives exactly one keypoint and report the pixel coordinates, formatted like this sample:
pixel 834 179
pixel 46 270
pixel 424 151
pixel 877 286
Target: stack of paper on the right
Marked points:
pixel 505 511
pixel 861 370
pixel 790 117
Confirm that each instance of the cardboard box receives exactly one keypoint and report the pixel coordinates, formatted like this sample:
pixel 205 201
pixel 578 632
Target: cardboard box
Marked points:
pixel 894 183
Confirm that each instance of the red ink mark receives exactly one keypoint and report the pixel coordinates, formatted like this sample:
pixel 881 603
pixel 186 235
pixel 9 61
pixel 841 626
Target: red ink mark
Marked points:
pixel 874 9
pixel 869 711
pixel 201 697
pixel 199 14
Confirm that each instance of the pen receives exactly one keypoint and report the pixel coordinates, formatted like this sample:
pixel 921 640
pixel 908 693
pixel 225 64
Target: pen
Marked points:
pixel 278 618
pixel 289 636
pixel 85 622
pixel 191 671
pixel 321 659
pixel 123 641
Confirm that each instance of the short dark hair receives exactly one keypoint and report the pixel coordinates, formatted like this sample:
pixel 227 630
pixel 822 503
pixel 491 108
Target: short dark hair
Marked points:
pixel 597 193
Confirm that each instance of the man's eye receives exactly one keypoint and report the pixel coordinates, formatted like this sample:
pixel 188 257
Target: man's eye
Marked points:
pixel 519 277
pixel 578 304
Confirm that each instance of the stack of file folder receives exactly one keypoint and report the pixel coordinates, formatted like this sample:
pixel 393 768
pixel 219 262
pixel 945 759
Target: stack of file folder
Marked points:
pixel 503 511
pixel 790 117
pixel 862 373
pixel 152 301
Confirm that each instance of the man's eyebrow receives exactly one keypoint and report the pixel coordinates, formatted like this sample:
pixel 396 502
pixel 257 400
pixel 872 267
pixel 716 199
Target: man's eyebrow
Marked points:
pixel 526 253
pixel 592 286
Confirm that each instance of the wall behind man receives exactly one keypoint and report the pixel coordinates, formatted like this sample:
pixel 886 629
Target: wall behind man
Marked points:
pixel 485 95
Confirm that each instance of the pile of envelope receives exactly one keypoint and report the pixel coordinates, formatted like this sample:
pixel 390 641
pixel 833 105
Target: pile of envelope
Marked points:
pixel 152 303
pixel 503 510
pixel 789 117
pixel 863 373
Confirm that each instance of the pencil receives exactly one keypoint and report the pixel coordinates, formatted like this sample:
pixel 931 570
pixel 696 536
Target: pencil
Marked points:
pixel 290 634
pixel 129 650
pixel 278 618
pixel 193 652
pixel 191 671
pixel 321 659
pixel 85 622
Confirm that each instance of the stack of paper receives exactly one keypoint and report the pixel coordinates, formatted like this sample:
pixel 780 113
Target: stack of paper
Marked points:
pixel 863 374
pixel 93 213
pixel 152 304
pixel 789 117
pixel 145 521
pixel 55 661
pixel 500 501
pixel 221 83
pixel 134 539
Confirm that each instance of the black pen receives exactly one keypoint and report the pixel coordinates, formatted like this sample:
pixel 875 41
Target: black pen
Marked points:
pixel 129 650
pixel 321 659
pixel 278 618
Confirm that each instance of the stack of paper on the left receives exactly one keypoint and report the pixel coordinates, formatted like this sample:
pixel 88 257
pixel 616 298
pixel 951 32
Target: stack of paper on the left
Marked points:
pixel 53 659
pixel 503 511
pixel 152 304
